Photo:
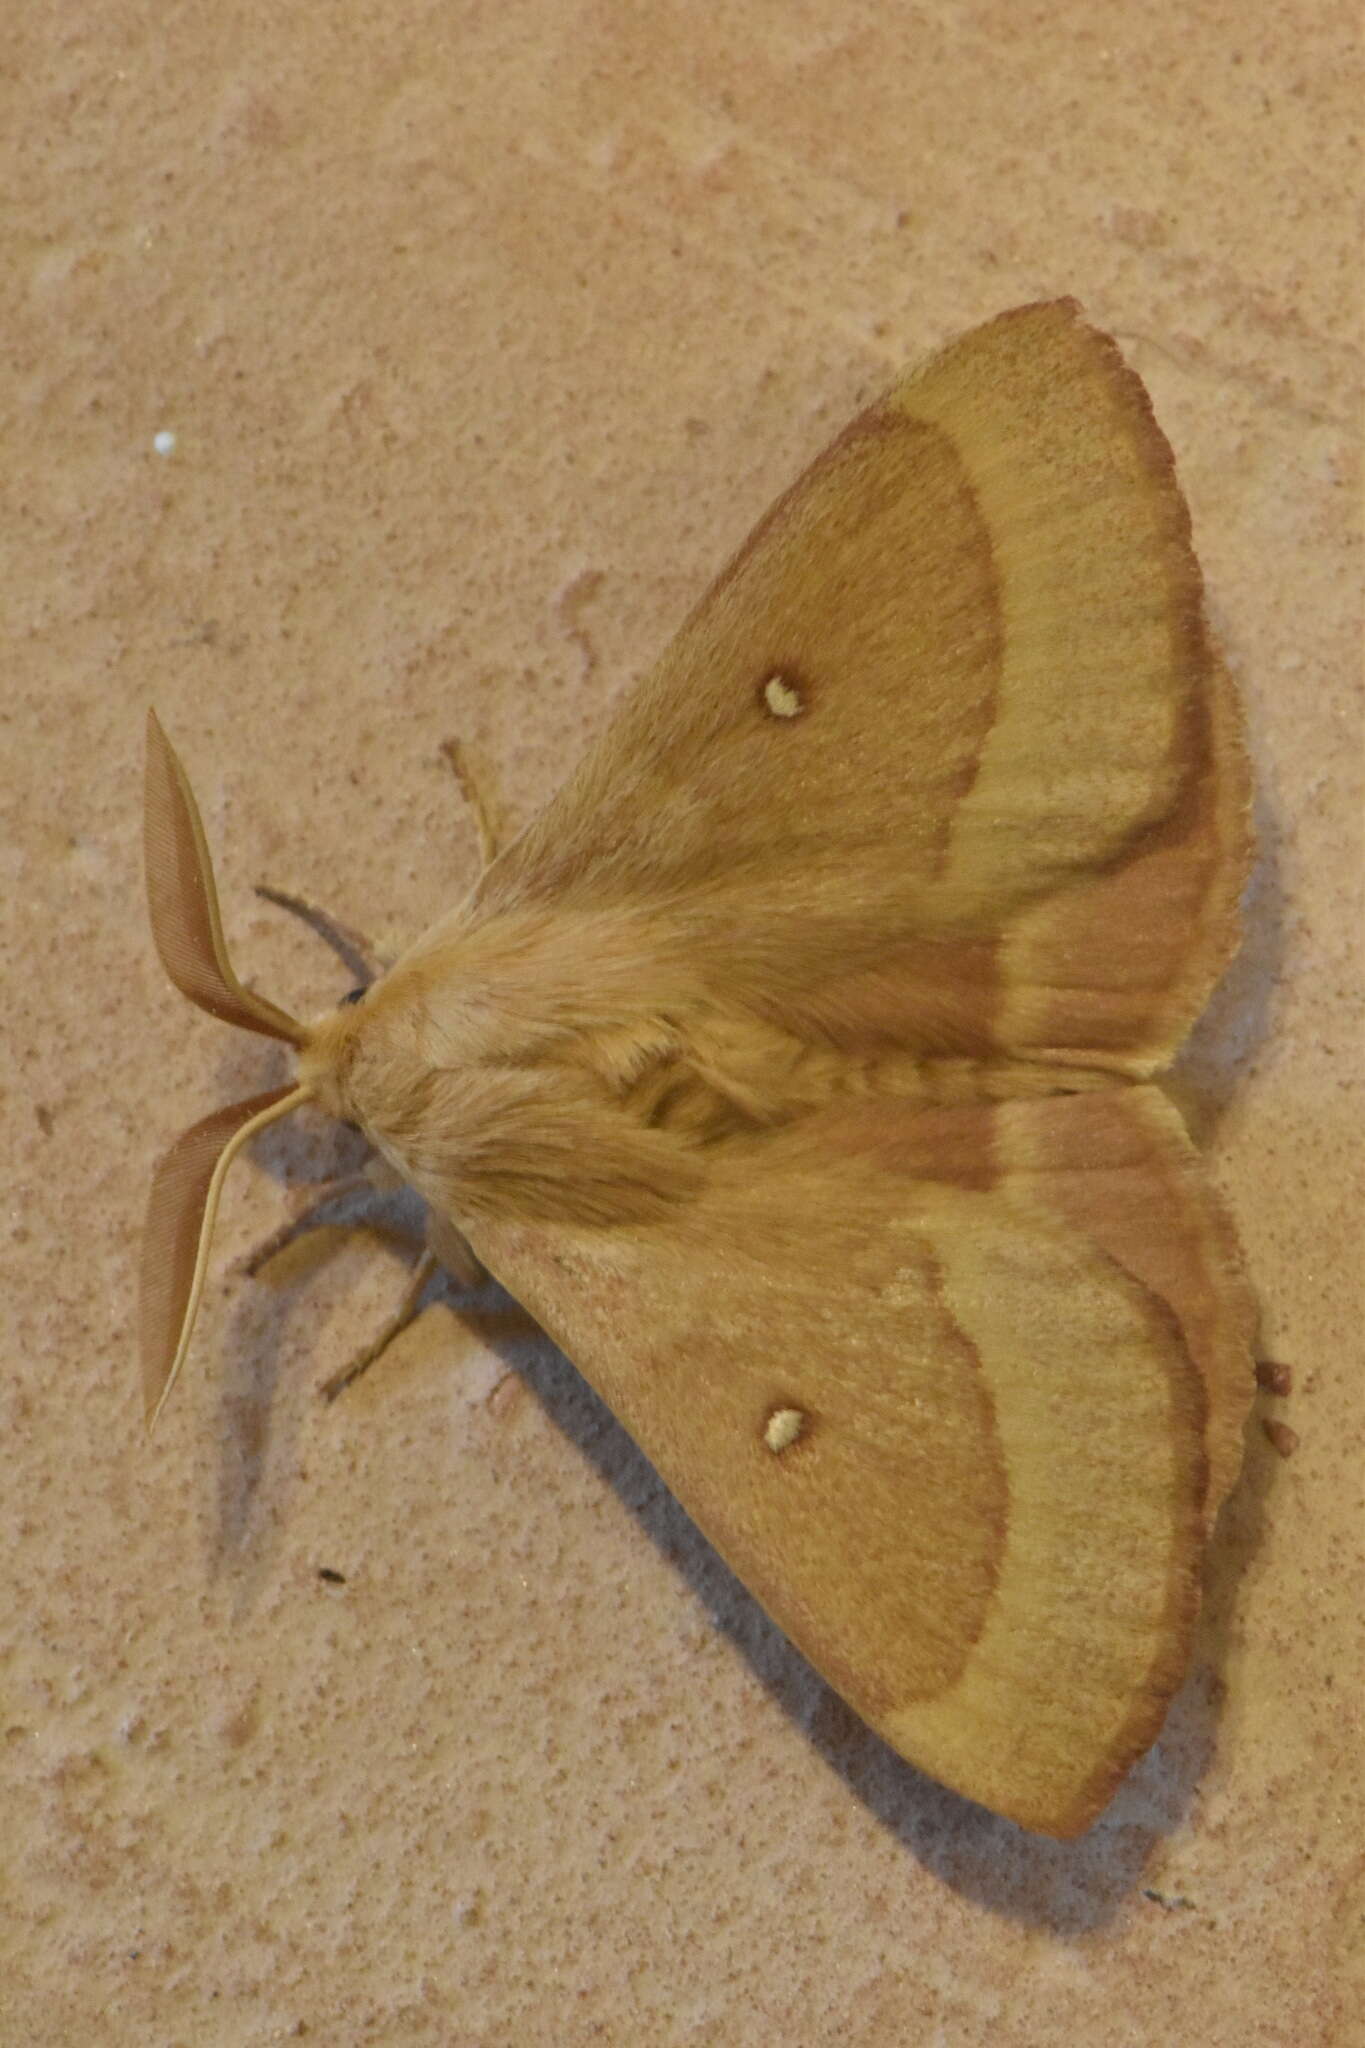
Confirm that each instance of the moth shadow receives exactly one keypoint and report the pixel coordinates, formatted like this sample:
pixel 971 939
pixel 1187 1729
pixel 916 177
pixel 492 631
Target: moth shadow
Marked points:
pixel 1238 1017
pixel 258 1431
pixel 1070 1888
pixel 255 1436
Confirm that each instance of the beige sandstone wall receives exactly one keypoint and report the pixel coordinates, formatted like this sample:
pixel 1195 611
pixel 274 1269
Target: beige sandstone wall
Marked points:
pixel 483 333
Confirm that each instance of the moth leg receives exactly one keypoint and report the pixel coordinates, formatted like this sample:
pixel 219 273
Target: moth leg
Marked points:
pixel 452 1249
pixel 356 953
pixel 310 1217
pixel 476 797
pixel 406 1312
pixel 446 1248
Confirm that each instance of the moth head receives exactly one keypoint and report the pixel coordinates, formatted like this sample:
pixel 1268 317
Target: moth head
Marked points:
pixel 187 929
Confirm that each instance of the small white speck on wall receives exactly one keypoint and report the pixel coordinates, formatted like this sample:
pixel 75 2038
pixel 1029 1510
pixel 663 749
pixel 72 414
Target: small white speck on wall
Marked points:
pixel 783 1427
pixel 781 699
pixel 164 441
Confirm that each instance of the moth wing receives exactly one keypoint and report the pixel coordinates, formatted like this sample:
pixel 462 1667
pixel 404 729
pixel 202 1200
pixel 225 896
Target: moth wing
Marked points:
pixel 945 757
pixel 954 1440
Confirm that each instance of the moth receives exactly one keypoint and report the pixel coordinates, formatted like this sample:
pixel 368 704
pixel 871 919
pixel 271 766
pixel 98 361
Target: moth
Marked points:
pixel 795 1068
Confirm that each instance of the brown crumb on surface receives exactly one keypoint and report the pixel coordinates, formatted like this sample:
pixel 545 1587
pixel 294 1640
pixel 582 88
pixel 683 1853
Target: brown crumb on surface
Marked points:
pixel 1276 1379
pixel 1285 1439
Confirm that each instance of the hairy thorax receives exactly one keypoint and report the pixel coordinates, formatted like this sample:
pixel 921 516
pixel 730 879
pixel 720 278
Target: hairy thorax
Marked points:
pixel 514 1071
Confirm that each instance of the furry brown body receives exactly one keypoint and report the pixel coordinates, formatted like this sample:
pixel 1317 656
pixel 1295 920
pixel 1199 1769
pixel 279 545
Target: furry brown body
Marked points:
pixel 540 1067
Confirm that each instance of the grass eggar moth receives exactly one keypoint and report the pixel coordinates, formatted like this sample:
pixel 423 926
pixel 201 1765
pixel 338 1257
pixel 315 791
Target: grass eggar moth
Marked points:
pixel 795 1068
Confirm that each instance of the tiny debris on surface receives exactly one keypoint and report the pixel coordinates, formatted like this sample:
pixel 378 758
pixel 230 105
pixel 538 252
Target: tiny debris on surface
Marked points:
pixel 1285 1439
pixel 1275 1379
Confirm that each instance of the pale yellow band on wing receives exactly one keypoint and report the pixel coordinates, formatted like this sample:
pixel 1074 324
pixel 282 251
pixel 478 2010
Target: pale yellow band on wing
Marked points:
pixel 1067 1680
pixel 1091 683
pixel 1114 775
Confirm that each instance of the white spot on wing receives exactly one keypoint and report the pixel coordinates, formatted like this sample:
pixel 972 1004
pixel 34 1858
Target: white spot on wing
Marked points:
pixel 780 697
pixel 783 1427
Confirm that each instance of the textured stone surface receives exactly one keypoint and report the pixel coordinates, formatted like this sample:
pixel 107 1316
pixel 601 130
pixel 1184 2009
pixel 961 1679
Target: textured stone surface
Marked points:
pixel 483 333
